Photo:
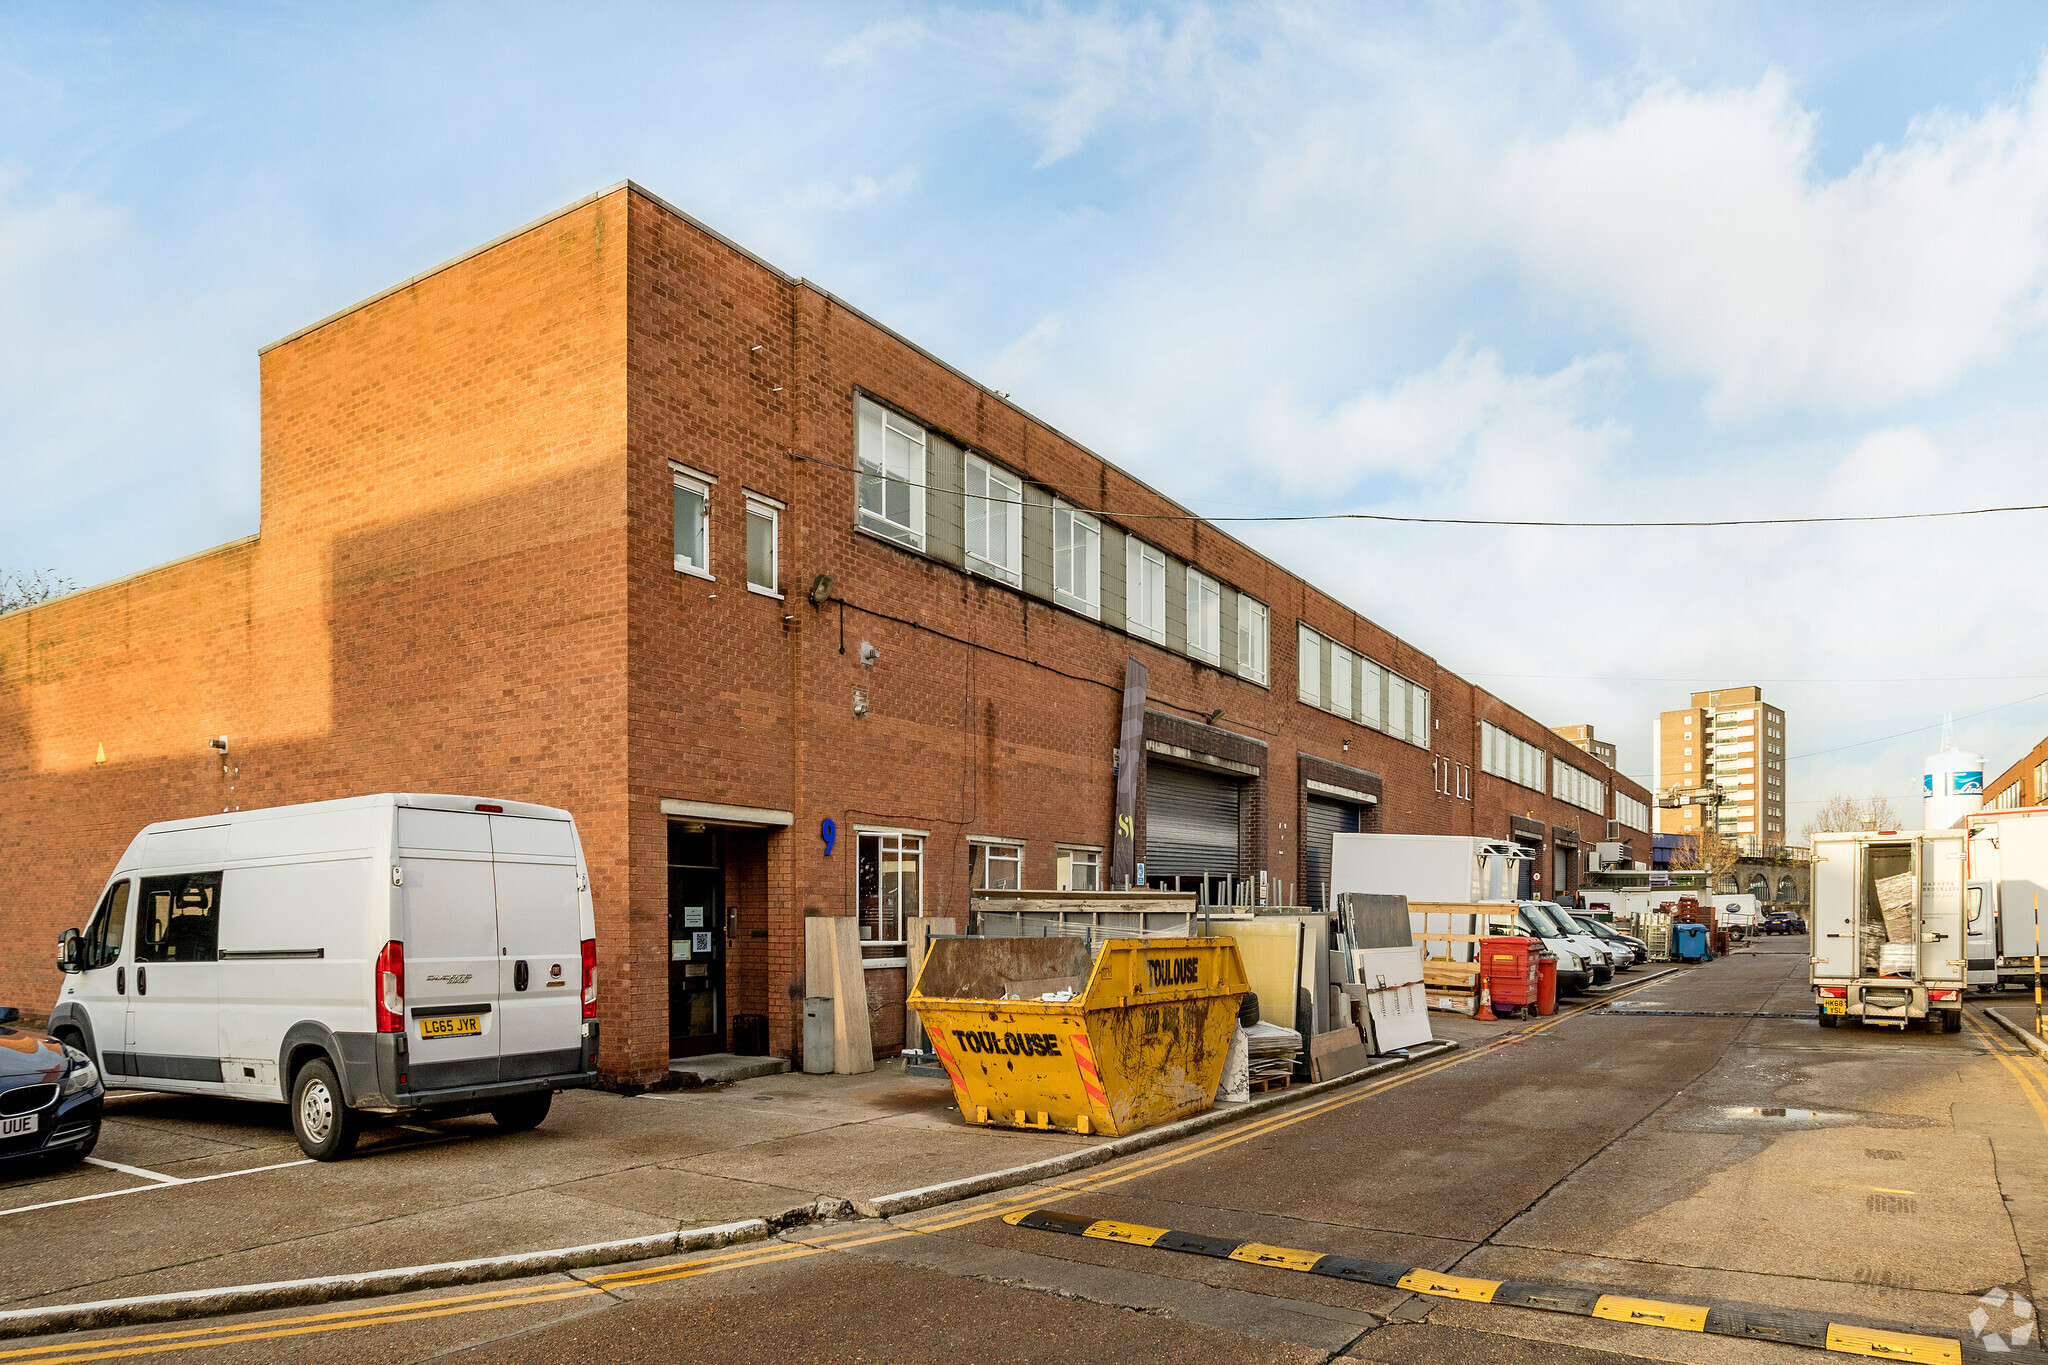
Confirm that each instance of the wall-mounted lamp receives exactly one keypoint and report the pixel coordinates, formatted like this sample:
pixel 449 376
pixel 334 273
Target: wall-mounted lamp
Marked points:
pixel 220 744
pixel 821 590
pixel 1210 719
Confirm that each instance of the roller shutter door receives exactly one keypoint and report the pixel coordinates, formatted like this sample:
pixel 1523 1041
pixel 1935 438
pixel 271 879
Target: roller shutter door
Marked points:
pixel 1326 819
pixel 1190 823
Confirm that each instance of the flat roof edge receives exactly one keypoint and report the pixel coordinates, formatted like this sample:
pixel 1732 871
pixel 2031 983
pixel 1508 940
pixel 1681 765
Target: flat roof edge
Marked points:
pixel 224 546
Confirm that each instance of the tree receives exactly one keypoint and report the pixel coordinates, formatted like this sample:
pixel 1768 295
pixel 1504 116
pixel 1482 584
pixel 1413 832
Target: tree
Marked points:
pixel 1706 852
pixel 18 590
pixel 1847 814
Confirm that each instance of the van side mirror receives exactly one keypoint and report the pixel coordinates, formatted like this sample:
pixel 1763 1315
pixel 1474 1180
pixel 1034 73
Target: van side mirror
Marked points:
pixel 67 950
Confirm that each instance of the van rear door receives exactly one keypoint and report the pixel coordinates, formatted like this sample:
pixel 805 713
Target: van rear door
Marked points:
pixel 450 924
pixel 540 969
pixel 1944 945
pixel 1834 908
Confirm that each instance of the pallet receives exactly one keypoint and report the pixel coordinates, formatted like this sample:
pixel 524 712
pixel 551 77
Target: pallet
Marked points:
pixel 1270 1083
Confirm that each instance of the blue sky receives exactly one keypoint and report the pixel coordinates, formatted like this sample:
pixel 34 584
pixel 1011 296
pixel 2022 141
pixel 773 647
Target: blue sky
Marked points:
pixel 1613 261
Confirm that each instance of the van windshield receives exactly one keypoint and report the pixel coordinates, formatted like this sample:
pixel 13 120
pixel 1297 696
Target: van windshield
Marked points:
pixel 1542 923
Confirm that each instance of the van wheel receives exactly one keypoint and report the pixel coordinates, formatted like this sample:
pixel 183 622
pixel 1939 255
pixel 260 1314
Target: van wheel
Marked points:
pixel 1828 1020
pixel 525 1112
pixel 1951 1021
pixel 322 1122
pixel 528 1111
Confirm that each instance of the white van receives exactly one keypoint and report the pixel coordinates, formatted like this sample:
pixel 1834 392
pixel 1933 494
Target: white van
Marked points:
pixel 431 955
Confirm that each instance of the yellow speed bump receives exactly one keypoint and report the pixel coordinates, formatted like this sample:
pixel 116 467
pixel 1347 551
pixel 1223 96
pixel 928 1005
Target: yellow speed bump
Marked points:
pixel 1868 1341
pixel 1137 1234
pixel 1444 1286
pixel 1685 1317
pixel 1287 1258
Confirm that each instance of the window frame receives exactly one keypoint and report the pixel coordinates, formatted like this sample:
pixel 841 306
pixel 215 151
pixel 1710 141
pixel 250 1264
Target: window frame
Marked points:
pixel 771 511
pixel 873 467
pixel 1308 665
pixel 148 950
pixel 991 851
pixel 1070 520
pixel 1341 661
pixel 883 838
pixel 1145 558
pixel 1205 609
pixel 113 911
pixel 1254 644
pixel 982 501
pixel 1065 857
pixel 690 481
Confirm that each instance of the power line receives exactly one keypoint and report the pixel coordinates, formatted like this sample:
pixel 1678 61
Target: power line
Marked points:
pixel 1918 729
pixel 1457 521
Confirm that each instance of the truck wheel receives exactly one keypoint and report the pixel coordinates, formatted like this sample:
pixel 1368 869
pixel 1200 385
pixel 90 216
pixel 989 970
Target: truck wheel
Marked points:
pixel 1828 1020
pixel 321 1120
pixel 528 1111
pixel 1951 1021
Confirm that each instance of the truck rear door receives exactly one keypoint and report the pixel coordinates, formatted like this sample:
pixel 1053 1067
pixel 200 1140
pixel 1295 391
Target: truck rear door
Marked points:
pixel 450 921
pixel 2022 875
pixel 540 970
pixel 1943 942
pixel 1834 908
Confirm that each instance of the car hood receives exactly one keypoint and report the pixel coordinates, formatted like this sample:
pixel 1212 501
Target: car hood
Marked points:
pixel 23 1053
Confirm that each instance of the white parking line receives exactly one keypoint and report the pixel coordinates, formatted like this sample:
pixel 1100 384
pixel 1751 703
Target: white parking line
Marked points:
pixel 169 1183
pixel 133 1170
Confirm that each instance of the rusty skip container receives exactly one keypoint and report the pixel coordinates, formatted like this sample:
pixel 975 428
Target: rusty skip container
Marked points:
pixel 1141 1040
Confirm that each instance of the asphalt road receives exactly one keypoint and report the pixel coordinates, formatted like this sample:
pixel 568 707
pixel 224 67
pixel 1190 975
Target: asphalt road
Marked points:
pixel 1717 1154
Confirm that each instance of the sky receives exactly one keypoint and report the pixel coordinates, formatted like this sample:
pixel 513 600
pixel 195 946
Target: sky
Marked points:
pixel 1596 263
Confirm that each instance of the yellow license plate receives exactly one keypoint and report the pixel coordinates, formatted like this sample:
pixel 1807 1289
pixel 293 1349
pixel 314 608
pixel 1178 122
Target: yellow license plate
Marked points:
pixel 451 1025
pixel 1834 1006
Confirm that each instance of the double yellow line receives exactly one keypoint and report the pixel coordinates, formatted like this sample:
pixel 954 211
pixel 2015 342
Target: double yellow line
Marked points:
pixel 796 1247
pixel 2031 1085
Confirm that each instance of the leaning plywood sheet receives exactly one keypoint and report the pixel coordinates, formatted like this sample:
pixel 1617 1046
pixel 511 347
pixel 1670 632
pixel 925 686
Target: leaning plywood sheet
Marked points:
pixel 918 931
pixel 1272 963
pixel 832 967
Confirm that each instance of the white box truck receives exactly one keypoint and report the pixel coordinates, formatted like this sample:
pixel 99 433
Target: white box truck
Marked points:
pixel 1888 927
pixel 428 955
pixel 2008 878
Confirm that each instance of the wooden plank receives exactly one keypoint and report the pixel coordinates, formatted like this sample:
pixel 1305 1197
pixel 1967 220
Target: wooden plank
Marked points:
pixel 919 930
pixel 832 968
pixel 1336 1053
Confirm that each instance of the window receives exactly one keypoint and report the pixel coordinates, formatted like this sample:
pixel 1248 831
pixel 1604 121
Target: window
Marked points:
pixel 763 570
pixel 1505 756
pixel 892 478
pixel 1076 560
pixel 891 875
pixel 995 520
pixel 180 919
pixel 1001 867
pixel 693 525
pixel 1205 618
pixel 1080 869
pixel 1579 789
pixel 1253 640
pixel 1309 657
pixel 101 945
pixel 1371 682
pixel 1340 680
pixel 1397 706
pixel 1145 591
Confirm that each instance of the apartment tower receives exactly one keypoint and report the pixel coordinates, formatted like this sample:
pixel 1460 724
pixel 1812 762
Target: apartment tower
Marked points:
pixel 1720 762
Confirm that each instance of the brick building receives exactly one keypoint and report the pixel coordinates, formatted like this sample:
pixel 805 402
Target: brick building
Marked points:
pixel 612 515
pixel 2025 783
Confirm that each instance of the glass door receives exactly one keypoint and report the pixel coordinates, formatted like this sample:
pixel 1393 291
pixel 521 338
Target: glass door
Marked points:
pixel 696 940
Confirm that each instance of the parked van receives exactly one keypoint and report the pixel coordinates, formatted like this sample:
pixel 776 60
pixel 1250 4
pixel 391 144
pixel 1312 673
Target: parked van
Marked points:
pixel 428 955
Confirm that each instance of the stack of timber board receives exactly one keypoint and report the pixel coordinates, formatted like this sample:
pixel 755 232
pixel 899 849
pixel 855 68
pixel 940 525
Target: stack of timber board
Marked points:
pixel 1452 987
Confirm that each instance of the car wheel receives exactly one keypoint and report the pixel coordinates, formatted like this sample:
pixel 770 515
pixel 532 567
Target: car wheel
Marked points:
pixel 1828 1020
pixel 321 1120
pixel 528 1111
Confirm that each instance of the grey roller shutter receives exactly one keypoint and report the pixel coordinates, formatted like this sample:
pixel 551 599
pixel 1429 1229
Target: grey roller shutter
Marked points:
pixel 1326 820
pixel 1190 823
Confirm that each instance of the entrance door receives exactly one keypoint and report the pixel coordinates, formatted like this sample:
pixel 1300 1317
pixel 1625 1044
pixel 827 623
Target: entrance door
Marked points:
pixel 696 940
pixel 1525 870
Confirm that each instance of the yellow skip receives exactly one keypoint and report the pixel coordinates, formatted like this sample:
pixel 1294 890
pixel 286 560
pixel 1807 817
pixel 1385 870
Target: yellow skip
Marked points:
pixel 1287 1258
pixel 1449 1286
pixel 1683 1316
pixel 1868 1341
pixel 1137 1234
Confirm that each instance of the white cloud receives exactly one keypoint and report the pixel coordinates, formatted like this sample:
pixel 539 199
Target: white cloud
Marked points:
pixel 1698 222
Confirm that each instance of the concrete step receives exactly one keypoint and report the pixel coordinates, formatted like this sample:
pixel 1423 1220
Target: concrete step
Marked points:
pixel 718 1068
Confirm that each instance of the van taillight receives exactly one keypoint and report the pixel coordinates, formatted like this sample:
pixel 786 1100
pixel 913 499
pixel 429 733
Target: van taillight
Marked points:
pixel 1834 992
pixel 490 810
pixel 1943 995
pixel 590 978
pixel 391 988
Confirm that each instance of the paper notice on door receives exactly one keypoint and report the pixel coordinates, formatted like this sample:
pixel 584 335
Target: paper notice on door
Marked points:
pixel 693 917
pixel 679 950
pixel 701 942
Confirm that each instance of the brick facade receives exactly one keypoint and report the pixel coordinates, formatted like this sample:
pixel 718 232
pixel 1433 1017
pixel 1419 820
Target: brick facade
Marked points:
pixel 464 582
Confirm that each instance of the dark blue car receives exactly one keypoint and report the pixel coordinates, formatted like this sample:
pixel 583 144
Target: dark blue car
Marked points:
pixel 50 1098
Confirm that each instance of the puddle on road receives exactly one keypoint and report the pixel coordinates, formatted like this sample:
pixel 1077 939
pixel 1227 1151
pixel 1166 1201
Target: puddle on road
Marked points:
pixel 1756 1118
pixel 1736 1112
